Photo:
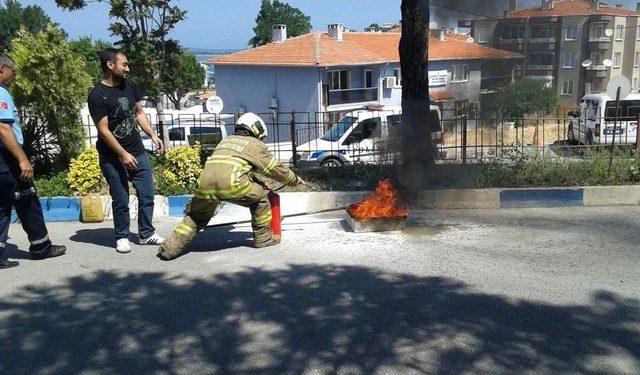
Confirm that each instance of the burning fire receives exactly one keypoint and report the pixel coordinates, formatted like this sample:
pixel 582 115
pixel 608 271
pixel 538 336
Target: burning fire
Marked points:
pixel 383 203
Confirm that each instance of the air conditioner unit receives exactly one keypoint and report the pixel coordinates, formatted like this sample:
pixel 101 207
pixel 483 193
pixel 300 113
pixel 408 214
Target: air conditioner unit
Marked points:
pixel 272 103
pixel 389 82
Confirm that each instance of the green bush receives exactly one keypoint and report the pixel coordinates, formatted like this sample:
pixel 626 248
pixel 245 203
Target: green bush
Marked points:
pixel 85 175
pixel 55 186
pixel 178 170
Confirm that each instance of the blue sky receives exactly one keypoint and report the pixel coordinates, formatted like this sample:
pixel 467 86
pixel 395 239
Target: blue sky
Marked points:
pixel 228 24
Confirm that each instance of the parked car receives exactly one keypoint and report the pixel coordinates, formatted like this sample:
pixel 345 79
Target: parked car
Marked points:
pixel 594 121
pixel 207 134
pixel 370 135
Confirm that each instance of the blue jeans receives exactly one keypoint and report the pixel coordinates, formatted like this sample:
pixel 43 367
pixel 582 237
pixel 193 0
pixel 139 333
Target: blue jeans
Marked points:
pixel 142 179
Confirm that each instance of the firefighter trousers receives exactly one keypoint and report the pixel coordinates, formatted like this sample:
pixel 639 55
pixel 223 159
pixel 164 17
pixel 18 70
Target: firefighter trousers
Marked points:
pixel 201 211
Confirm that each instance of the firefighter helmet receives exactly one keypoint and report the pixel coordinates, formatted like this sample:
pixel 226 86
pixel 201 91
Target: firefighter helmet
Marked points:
pixel 253 124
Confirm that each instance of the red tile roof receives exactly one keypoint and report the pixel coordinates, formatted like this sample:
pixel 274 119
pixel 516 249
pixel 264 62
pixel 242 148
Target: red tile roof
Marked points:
pixel 437 96
pixel 569 8
pixel 319 49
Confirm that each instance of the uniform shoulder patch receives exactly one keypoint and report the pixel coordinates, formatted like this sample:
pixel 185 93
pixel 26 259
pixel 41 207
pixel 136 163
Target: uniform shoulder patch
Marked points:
pixel 4 105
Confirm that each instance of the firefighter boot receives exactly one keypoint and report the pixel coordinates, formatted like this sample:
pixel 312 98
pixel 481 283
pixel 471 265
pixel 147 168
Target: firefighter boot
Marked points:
pixel 176 244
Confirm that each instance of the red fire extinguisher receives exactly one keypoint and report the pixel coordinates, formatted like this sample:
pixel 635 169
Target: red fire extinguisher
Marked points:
pixel 274 201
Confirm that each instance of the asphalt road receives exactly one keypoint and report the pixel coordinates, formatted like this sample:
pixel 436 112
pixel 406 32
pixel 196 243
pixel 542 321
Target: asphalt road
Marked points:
pixel 486 291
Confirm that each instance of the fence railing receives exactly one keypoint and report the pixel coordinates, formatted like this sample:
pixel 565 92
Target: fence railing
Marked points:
pixel 330 139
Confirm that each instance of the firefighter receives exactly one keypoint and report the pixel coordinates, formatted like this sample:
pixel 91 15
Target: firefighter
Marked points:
pixel 230 175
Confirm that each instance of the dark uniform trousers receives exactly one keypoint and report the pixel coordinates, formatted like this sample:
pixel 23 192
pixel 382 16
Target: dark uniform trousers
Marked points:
pixel 23 197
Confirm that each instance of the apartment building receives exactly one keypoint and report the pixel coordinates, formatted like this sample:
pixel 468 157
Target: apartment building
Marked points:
pixel 559 35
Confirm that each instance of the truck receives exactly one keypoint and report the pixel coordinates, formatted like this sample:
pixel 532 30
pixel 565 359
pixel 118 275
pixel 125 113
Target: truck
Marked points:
pixel 369 135
pixel 593 122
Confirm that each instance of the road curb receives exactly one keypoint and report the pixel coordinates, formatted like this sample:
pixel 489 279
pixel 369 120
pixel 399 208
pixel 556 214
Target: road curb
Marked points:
pixel 64 209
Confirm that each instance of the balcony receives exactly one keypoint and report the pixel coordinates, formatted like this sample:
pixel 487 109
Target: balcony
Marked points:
pixel 593 74
pixel 542 40
pixel 491 84
pixel 599 39
pixel 599 46
pixel 598 67
pixel 349 96
pixel 510 41
pixel 540 67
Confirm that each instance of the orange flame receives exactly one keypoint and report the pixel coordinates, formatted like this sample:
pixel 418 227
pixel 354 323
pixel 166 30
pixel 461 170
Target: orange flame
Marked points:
pixel 385 202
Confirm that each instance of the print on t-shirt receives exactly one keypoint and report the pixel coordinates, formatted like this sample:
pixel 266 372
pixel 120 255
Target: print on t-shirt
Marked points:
pixel 128 124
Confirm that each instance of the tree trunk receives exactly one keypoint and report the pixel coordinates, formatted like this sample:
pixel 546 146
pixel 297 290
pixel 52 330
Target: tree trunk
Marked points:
pixel 417 149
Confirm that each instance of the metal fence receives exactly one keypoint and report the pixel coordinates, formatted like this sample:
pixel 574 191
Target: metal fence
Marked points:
pixel 331 139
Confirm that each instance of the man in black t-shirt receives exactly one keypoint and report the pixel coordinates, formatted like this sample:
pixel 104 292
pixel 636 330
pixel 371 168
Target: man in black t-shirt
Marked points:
pixel 115 107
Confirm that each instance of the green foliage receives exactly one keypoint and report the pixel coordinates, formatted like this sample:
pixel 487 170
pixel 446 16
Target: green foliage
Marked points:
pixel 84 173
pixel 55 186
pixel 178 171
pixel 523 97
pixel 13 17
pixel 276 12
pixel 142 27
pixel 88 51
pixel 51 87
pixel 185 75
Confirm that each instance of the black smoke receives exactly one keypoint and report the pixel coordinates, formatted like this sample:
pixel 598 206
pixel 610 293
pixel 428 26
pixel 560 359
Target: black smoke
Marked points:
pixel 447 13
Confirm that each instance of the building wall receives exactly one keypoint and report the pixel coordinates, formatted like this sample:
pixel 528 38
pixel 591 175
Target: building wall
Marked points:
pixel 576 47
pixel 632 46
pixel 250 87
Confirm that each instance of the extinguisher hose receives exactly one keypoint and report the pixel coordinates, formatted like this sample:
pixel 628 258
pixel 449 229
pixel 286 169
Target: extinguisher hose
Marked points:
pixel 283 217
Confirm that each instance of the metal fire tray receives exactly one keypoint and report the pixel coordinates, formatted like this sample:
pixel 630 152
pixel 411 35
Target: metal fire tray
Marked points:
pixel 376 225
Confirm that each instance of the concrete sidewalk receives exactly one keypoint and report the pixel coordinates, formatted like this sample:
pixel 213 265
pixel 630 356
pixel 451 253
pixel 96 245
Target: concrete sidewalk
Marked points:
pixel 471 291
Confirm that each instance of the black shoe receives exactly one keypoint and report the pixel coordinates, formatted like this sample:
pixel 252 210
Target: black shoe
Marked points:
pixel 51 252
pixel 5 263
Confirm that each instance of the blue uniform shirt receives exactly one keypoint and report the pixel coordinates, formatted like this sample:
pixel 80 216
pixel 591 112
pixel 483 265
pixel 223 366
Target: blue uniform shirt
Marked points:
pixel 8 115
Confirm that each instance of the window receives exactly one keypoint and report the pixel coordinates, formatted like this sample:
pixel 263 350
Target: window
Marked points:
pixel 598 31
pixel 482 36
pixel 545 32
pixel 596 57
pixel 368 78
pixel 637 58
pixel 338 80
pixel 398 74
pixel 638 33
pixel 460 107
pixel 634 87
pixel 619 31
pixel 460 73
pixel 369 128
pixel 514 33
pixel 570 60
pixel 571 32
pixel 541 59
pixel 617 58
pixel 176 134
pixel 567 88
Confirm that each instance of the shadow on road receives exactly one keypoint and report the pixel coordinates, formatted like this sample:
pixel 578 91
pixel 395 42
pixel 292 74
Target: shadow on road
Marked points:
pixel 328 318
pixel 223 238
pixel 98 236
pixel 12 251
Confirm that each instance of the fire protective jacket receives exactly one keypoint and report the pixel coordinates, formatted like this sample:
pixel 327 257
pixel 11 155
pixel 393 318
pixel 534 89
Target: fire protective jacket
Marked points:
pixel 230 171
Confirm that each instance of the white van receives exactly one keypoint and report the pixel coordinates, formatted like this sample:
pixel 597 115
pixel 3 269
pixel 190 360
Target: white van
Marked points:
pixel 595 119
pixel 362 136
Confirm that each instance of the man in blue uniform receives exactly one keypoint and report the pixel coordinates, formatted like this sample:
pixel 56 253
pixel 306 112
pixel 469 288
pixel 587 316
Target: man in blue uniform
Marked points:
pixel 16 179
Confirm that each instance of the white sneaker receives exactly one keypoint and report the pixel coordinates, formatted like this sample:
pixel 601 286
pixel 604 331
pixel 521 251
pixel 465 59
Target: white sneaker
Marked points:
pixel 153 240
pixel 123 246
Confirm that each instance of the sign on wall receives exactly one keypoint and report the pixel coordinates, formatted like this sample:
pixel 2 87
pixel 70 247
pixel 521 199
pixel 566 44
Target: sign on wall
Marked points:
pixel 438 78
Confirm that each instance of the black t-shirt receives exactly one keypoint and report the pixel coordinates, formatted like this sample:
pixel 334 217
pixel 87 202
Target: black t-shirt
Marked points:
pixel 118 105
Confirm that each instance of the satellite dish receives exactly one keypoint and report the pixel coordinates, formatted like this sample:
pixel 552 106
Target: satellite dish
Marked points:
pixel 470 40
pixel 587 63
pixel 607 62
pixel 619 81
pixel 214 105
pixel 608 32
